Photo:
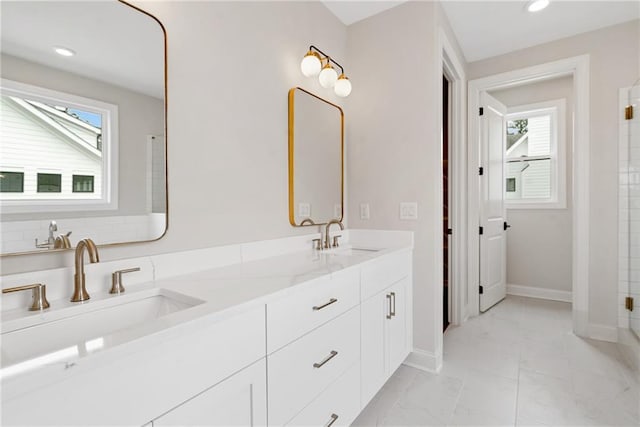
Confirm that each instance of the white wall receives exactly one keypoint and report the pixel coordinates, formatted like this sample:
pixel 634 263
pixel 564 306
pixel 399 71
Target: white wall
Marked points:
pixel 614 55
pixel 539 240
pixel 230 66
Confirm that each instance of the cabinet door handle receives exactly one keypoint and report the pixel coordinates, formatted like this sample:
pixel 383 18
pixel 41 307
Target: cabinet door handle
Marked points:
pixel 332 420
pixel 326 304
pixel 326 359
pixel 393 298
pixel 390 312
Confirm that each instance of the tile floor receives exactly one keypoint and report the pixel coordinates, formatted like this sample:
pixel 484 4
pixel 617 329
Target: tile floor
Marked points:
pixel 517 364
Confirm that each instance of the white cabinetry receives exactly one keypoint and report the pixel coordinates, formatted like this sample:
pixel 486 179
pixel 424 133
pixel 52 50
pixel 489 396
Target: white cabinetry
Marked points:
pixel 240 400
pixel 384 336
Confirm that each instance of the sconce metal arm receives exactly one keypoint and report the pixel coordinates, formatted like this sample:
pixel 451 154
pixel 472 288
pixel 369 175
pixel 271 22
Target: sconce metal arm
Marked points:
pixel 327 57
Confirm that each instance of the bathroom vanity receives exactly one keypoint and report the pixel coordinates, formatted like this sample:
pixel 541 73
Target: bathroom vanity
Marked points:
pixel 276 334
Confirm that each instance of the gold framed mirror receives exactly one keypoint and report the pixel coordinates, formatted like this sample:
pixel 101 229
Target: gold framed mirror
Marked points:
pixel 316 159
pixel 83 125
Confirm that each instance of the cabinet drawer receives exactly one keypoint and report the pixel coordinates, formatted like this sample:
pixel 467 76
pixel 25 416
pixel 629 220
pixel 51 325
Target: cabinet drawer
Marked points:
pixel 377 276
pixel 339 403
pixel 301 370
pixel 298 313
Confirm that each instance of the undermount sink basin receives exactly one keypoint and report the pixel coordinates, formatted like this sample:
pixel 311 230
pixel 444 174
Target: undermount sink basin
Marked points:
pixel 350 251
pixel 61 334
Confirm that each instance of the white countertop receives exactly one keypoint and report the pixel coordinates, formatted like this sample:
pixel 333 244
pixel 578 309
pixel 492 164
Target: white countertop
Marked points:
pixel 225 292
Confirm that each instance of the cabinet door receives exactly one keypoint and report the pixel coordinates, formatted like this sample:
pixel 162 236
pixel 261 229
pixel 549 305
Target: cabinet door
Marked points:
pixel 240 400
pixel 373 349
pixel 397 326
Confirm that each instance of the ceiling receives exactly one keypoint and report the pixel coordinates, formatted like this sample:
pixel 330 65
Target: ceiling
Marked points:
pixel 489 28
pixel 113 42
pixel 350 11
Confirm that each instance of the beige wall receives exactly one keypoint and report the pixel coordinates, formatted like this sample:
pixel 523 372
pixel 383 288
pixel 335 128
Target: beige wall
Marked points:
pixel 539 240
pixel 614 62
pixel 394 151
pixel 230 66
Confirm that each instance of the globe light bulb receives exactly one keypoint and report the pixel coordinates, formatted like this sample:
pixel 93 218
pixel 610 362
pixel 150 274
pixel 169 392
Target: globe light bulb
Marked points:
pixel 537 5
pixel 343 86
pixel 328 76
pixel 310 65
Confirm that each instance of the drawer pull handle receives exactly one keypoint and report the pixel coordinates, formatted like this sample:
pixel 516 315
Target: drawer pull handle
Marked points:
pixel 393 298
pixel 326 304
pixel 326 359
pixel 390 311
pixel 333 419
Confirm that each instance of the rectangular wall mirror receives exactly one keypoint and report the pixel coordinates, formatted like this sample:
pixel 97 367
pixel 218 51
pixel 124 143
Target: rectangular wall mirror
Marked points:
pixel 316 161
pixel 82 125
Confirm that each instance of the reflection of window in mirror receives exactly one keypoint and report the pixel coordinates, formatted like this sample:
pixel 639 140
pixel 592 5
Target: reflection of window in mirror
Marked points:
pixel 77 140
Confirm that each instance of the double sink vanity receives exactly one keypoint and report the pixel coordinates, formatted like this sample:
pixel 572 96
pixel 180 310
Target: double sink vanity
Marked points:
pixel 276 334
pixel 299 331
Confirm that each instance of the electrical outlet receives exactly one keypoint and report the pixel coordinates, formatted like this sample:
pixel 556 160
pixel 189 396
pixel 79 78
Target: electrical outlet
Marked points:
pixel 337 210
pixel 409 210
pixel 304 210
pixel 364 211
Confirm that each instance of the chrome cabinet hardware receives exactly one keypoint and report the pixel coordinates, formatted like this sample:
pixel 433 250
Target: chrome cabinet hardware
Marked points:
pixel 389 314
pixel 116 280
pixel 332 420
pixel 318 243
pixel 79 289
pixel 393 309
pixel 335 240
pixel 326 304
pixel 326 359
pixel 39 295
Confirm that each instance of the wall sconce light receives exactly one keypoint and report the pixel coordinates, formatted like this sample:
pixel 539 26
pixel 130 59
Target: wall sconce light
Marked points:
pixel 318 63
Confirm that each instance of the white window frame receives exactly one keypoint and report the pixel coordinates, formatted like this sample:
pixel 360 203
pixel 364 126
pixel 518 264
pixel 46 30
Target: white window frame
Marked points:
pixel 109 112
pixel 557 109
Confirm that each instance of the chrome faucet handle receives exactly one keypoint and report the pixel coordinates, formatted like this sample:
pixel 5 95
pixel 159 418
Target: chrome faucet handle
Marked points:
pixel 335 240
pixel 318 243
pixel 39 295
pixel 116 280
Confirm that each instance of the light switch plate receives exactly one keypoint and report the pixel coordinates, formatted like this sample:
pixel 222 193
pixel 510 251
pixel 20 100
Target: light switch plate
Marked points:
pixel 364 211
pixel 409 210
pixel 304 210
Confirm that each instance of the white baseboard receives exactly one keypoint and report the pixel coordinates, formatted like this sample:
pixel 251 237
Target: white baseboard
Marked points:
pixel 602 332
pixel 424 360
pixel 542 293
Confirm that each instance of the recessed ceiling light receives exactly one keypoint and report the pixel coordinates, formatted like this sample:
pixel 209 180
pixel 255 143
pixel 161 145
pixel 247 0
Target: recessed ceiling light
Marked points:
pixel 63 51
pixel 537 5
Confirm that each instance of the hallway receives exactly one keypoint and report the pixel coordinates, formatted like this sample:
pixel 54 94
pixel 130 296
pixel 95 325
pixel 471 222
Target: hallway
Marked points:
pixel 518 364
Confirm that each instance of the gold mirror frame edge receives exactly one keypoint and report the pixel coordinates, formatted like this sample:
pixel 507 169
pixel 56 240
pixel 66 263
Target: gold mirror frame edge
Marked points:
pixel 292 92
pixel 166 157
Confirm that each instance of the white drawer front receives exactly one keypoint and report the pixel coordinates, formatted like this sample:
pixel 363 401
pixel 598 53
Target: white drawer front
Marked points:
pixel 378 275
pixel 338 405
pixel 301 370
pixel 296 314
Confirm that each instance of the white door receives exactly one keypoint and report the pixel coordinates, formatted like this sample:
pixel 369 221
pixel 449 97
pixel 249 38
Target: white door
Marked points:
pixel 493 242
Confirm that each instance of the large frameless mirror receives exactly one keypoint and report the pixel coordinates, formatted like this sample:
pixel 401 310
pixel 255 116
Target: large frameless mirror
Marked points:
pixel 82 125
pixel 316 134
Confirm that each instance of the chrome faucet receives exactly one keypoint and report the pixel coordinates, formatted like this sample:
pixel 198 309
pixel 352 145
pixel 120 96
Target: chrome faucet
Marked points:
pixel 327 238
pixel 79 289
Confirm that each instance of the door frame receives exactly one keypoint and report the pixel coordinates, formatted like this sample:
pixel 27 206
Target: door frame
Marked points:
pixel 578 68
pixel 451 67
